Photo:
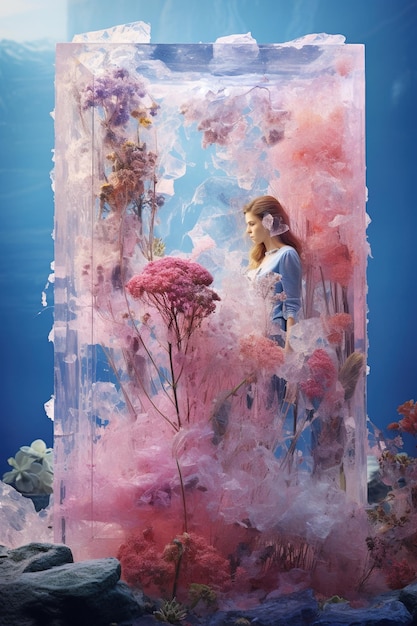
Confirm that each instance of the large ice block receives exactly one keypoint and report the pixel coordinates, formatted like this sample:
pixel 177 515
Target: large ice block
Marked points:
pixel 163 433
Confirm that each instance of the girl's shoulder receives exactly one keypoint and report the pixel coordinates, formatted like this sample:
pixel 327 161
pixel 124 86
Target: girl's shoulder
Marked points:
pixel 286 251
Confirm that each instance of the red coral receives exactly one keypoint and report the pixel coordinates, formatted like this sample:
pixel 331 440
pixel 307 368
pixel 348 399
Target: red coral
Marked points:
pixel 400 575
pixel 142 563
pixel 408 423
pixel 189 557
pixel 202 563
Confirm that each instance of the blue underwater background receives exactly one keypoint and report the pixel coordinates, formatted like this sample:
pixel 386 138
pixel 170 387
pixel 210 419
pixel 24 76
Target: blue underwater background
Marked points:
pixel 387 28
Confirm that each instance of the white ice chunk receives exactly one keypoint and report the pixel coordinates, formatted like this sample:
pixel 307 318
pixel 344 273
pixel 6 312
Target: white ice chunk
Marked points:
pixel 135 32
pixel 49 407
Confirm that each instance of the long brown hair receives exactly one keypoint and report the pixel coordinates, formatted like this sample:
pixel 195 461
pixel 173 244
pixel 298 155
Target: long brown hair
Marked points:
pixel 259 207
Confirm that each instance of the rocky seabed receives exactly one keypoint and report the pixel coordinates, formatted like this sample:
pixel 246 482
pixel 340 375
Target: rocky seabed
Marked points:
pixel 40 585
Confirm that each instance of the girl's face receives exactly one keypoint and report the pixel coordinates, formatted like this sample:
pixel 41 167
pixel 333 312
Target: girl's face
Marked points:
pixel 255 229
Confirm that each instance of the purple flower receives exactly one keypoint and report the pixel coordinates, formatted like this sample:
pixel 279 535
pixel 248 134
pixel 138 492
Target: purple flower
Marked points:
pixel 118 94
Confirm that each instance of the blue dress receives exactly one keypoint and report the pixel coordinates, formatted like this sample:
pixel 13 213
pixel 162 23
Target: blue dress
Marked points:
pixel 286 262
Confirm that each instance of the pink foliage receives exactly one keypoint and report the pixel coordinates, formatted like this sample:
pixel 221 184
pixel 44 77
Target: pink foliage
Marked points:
pixel 142 564
pixel 322 375
pixel 336 325
pixel 178 289
pixel 201 562
pixel 400 574
pixel 337 264
pixel 319 139
pixel 261 353
pixel 188 558
pixel 408 424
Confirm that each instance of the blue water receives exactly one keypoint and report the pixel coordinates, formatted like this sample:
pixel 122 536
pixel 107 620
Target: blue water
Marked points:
pixel 386 27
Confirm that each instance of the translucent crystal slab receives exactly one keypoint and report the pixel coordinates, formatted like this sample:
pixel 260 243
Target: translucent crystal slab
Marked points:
pixel 158 148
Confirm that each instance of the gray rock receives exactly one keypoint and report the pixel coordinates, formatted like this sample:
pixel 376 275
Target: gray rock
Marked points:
pixel 40 585
pixel 300 608
pixel 385 612
pixel 295 609
pixel 33 557
pixel 408 596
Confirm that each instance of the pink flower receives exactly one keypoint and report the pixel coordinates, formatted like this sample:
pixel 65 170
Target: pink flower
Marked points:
pixel 261 353
pixel 265 286
pixel 178 289
pixel 217 128
pixel 337 264
pixel 336 325
pixel 408 424
pixel 322 375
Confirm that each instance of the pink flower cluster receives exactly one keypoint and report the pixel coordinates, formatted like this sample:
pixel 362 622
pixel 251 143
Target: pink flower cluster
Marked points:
pixel 145 565
pixel 201 562
pixel 322 375
pixel 265 286
pixel 336 325
pixel 176 287
pixel 338 264
pixel 261 353
pixel 400 574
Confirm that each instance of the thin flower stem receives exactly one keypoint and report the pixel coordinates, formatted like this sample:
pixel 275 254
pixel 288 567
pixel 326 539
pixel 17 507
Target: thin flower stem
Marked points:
pixel 154 209
pixel 143 344
pixel 365 578
pixel 122 387
pixel 174 384
pixel 184 503
pixel 151 402
pixel 138 377
pixel 233 391
pixel 290 452
pixel 326 300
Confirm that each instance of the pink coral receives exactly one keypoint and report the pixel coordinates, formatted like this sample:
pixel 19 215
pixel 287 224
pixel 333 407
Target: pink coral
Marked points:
pixel 141 562
pixel 408 424
pixel 201 562
pixel 188 559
